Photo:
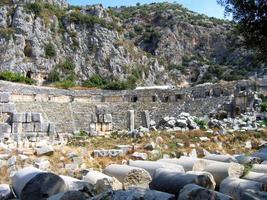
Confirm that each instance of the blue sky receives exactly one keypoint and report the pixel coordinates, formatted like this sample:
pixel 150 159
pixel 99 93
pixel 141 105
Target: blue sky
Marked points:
pixel 208 7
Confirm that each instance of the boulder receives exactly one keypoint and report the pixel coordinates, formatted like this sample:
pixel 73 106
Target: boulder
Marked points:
pixel 44 151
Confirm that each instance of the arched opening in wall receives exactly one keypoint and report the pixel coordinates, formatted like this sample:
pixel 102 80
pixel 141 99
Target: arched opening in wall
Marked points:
pixel 166 99
pixel 154 98
pixel 207 93
pixel 178 97
pixel 134 99
pixel 29 74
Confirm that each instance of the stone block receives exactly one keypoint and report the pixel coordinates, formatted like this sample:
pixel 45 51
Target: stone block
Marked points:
pixel 145 119
pixel 2 136
pixel 41 127
pixel 94 118
pixel 4 97
pixel 92 127
pixel 28 117
pixel 101 110
pixel 106 127
pixel 42 164
pixel 100 118
pixel 5 128
pixel 37 117
pixel 28 127
pixel 107 118
pixel 7 107
pixel 108 153
pixel 45 150
pixel 16 127
pixel 98 126
pixel 31 135
pixel 19 117
pixel 52 129
pixel 131 120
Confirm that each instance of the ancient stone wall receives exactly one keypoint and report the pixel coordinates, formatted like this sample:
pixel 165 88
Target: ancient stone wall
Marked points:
pixel 97 110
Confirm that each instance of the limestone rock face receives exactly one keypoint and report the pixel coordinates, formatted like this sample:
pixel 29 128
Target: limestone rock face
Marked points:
pixel 97 42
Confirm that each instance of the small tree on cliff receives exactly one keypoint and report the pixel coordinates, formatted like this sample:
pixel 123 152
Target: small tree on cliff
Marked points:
pixel 251 17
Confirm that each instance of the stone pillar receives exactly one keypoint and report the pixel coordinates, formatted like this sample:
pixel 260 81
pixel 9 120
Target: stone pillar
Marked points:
pixel 31 183
pixel 145 119
pixel 131 120
pixel 219 170
pixel 235 187
pixel 129 176
pixel 167 180
pixel 186 162
pixel 152 166
pixel 193 191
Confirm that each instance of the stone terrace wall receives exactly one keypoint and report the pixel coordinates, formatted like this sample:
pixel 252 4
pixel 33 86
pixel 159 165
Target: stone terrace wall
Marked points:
pixel 73 110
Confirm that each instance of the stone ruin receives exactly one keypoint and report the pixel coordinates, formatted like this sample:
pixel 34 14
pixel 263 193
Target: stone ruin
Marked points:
pixel 101 122
pixel 217 176
pixel 21 126
pixel 102 112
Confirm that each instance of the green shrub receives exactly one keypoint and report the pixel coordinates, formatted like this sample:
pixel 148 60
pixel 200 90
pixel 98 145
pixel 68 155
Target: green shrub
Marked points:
pixel 65 84
pixel 203 125
pixel 95 81
pixel 36 8
pixel 50 51
pixel 138 29
pixel 151 35
pixel 5 2
pixel 263 107
pixel 63 75
pixel 131 35
pixel 178 67
pixel 15 77
pixel 7 33
pixel 66 66
pixel 53 76
pixel 208 77
pixel 233 76
pixel 263 122
pixel 116 85
pixel 216 70
pixel 89 20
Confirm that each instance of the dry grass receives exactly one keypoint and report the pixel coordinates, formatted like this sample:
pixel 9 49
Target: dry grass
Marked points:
pixel 230 143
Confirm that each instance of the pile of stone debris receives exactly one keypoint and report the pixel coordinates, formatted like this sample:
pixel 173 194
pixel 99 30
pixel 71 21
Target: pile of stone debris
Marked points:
pixel 185 122
pixel 215 176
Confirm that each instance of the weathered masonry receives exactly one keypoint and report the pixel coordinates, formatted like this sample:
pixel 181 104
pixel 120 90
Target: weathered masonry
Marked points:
pixel 104 111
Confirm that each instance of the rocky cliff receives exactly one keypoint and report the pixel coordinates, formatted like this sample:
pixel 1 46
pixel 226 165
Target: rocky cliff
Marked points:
pixel 144 45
